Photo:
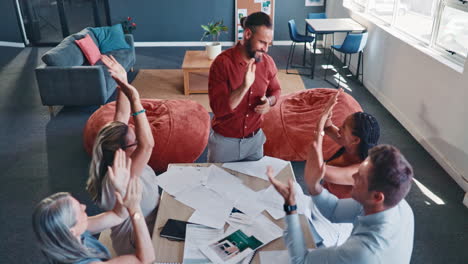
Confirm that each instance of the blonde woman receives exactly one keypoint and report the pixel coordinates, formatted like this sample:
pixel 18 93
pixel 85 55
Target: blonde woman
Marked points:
pixel 64 230
pixel 138 144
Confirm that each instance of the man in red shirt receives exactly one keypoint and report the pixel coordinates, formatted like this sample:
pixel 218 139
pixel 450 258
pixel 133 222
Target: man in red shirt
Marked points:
pixel 242 87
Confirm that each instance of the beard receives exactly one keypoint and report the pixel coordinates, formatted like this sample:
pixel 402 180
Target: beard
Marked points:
pixel 251 52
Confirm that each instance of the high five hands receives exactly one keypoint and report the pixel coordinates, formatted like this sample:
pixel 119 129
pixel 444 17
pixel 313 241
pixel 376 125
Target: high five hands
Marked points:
pixel 119 173
pixel 327 112
pixel 114 67
pixel 287 191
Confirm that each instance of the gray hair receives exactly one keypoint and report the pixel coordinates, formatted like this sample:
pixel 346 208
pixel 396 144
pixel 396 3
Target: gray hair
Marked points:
pixel 52 219
pixel 109 139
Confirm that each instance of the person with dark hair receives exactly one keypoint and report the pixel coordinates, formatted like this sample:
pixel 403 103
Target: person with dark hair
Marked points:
pixel 359 132
pixel 243 86
pixel 383 221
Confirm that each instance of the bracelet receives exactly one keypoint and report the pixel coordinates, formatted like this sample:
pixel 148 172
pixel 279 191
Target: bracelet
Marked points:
pixel 322 133
pixel 139 112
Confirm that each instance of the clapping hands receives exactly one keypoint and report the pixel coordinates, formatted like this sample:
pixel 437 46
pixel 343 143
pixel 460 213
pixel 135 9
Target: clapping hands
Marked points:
pixel 128 188
pixel 119 173
pixel 287 191
pixel 114 67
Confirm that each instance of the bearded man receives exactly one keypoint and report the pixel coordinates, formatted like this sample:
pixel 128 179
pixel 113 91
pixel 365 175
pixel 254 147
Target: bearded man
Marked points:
pixel 243 86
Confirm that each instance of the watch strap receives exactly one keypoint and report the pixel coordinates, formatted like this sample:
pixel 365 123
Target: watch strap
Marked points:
pixel 289 208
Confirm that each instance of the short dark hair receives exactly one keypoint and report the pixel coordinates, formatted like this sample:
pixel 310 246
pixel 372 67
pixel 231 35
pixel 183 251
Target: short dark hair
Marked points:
pixel 391 174
pixel 367 129
pixel 255 20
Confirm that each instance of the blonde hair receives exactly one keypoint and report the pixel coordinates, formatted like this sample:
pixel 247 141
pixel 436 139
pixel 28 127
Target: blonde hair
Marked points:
pixel 109 139
pixel 52 219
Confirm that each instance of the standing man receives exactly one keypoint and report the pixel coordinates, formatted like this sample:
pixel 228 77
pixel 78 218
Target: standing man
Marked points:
pixel 242 87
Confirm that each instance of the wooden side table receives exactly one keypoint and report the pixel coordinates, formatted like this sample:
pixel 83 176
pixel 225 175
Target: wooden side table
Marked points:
pixel 196 67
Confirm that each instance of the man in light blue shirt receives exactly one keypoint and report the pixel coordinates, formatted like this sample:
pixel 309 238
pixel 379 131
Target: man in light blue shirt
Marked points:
pixel 383 221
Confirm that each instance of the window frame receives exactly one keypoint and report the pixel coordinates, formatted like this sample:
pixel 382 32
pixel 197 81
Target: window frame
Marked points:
pixel 455 4
pixel 432 45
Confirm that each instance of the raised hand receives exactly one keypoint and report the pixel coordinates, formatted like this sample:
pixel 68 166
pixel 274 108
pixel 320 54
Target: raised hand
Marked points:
pixel 119 173
pixel 249 77
pixel 327 111
pixel 325 118
pixel 114 67
pixel 129 90
pixel 287 191
pixel 132 198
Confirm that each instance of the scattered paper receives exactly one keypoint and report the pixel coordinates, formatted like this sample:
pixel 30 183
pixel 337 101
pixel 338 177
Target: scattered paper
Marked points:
pixel 208 219
pixel 194 236
pixel 275 256
pixel 233 247
pixel 204 199
pixel 258 168
pixel 177 179
pixel 222 181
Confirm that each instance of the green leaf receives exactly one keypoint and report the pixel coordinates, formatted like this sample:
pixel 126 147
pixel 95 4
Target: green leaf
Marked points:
pixel 205 27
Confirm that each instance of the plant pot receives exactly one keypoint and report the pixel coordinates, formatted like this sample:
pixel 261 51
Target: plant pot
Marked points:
pixel 213 49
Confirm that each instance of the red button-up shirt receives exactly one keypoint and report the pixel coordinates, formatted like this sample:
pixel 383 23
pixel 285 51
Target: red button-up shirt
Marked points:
pixel 226 75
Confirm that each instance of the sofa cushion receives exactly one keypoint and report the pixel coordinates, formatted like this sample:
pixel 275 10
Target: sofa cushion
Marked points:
pixel 89 49
pixel 84 32
pixel 180 129
pixel 124 57
pixel 110 38
pixel 67 53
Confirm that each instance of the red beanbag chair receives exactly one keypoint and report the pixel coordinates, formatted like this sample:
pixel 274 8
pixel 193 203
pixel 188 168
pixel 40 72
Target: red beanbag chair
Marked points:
pixel 289 126
pixel 180 130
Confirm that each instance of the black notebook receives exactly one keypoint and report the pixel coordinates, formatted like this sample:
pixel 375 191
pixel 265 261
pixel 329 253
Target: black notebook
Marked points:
pixel 174 230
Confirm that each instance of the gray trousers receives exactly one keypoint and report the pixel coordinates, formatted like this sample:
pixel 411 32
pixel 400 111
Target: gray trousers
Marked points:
pixel 225 149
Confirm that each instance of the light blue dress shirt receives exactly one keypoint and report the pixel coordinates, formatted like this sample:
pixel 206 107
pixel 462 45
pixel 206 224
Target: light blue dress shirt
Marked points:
pixel 384 237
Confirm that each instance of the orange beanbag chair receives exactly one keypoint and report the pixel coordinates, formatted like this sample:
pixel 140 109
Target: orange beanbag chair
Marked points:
pixel 180 130
pixel 290 125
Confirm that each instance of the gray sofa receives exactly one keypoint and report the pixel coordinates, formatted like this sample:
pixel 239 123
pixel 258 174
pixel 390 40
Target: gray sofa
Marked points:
pixel 66 78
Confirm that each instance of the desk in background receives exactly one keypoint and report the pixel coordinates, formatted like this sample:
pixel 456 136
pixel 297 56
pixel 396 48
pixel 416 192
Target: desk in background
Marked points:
pixel 335 25
pixel 169 207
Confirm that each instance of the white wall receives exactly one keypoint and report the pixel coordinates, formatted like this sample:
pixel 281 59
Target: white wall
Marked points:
pixel 427 97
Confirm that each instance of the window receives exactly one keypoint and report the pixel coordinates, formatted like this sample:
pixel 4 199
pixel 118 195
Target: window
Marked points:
pixel 441 25
pixel 416 17
pixel 453 30
pixel 382 9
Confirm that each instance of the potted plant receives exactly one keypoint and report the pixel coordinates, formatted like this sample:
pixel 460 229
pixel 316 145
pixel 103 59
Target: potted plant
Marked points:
pixel 213 29
pixel 128 25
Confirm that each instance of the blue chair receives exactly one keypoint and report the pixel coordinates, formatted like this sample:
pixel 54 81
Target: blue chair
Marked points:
pixel 296 38
pixel 353 43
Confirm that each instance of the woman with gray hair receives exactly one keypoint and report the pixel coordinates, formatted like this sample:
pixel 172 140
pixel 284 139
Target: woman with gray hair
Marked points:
pixel 64 230
pixel 138 143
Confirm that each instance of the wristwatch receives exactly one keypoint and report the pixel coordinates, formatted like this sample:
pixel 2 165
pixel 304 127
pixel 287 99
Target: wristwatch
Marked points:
pixel 289 208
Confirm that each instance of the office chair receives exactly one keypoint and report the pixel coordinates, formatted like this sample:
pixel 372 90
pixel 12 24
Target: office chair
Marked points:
pixel 296 38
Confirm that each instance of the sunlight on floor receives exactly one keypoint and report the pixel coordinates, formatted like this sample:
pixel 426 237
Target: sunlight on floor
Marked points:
pixel 428 193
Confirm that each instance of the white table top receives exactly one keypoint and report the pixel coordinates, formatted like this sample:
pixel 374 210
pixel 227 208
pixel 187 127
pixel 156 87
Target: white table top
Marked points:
pixel 335 25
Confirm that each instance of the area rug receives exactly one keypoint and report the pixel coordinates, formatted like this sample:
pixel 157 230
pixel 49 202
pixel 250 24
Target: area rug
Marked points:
pixel 169 84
